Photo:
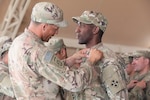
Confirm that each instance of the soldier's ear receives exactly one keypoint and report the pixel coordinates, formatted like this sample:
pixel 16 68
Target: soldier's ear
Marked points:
pixel 147 60
pixel 96 29
pixel 43 27
pixel 63 52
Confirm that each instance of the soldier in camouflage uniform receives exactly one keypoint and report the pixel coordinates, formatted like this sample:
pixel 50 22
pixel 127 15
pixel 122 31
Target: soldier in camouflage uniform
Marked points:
pixel 141 89
pixel 6 89
pixel 57 46
pixel 109 82
pixel 129 69
pixel 33 67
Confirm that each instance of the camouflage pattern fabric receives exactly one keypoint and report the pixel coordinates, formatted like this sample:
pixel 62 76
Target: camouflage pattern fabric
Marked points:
pixel 5 97
pixel 148 90
pixel 6 89
pixel 109 82
pixel 137 93
pixel 46 12
pixel 92 17
pixel 35 71
pixel 5 43
pixel 55 44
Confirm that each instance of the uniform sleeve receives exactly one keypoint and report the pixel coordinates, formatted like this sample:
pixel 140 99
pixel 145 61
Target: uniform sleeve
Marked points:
pixel 114 81
pixel 73 80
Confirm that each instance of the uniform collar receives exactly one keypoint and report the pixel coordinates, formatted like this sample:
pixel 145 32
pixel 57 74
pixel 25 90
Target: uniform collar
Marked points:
pixel 98 45
pixel 31 34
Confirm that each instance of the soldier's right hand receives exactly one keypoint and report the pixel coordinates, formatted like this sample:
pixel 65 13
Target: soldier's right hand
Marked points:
pixel 132 84
pixel 141 84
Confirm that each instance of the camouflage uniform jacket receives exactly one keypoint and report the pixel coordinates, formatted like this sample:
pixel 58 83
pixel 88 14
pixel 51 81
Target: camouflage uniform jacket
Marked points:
pixel 141 94
pixel 35 71
pixel 109 82
pixel 6 89
pixel 5 97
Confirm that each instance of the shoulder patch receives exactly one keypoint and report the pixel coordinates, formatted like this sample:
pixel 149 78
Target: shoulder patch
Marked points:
pixel 52 59
pixel 112 79
pixel 48 56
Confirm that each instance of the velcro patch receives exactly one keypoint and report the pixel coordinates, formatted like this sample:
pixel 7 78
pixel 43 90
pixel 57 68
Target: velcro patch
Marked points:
pixel 52 59
pixel 112 79
pixel 48 56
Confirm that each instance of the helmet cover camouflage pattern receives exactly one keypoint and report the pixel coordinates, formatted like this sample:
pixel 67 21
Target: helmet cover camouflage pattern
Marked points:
pixel 91 17
pixel 55 44
pixel 45 12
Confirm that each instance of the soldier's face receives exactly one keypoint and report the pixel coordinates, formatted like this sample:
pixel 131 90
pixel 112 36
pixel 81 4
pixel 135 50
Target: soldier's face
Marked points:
pixel 139 63
pixel 84 33
pixel 49 31
pixel 129 68
pixel 62 54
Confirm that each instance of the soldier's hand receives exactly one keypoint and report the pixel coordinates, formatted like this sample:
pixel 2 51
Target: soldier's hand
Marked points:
pixel 132 84
pixel 77 58
pixel 141 84
pixel 94 56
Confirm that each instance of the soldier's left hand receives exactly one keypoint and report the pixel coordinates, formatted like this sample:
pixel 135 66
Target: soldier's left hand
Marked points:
pixel 77 58
pixel 94 56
